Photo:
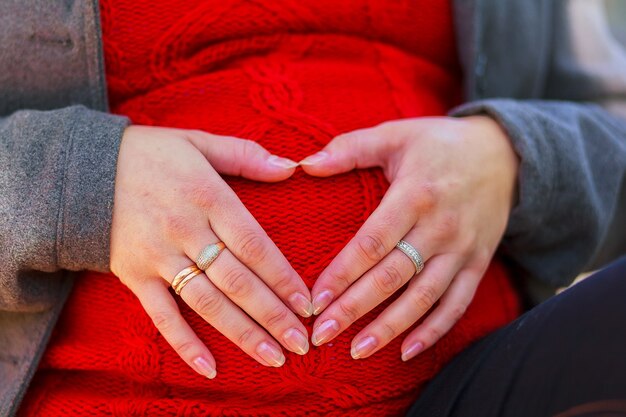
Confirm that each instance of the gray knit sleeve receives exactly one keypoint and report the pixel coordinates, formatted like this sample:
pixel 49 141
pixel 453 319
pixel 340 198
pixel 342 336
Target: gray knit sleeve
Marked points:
pixel 573 165
pixel 57 177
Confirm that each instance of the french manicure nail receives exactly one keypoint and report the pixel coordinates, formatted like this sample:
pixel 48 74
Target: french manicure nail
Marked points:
pixel 296 341
pixel 204 368
pixel 315 158
pixel 325 332
pixel 271 355
pixel 364 347
pixel 412 351
pixel 301 304
pixel 284 163
pixel 321 301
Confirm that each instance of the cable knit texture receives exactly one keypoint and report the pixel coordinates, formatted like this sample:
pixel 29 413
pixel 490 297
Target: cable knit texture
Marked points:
pixel 290 74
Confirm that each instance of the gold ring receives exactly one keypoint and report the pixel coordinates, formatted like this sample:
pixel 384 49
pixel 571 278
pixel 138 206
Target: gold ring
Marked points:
pixel 182 274
pixel 186 280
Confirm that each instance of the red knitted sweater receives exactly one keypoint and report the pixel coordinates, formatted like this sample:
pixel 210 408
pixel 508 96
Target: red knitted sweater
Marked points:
pixel 289 74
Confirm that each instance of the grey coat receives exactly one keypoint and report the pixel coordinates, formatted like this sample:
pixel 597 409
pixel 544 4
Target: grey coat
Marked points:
pixel 552 72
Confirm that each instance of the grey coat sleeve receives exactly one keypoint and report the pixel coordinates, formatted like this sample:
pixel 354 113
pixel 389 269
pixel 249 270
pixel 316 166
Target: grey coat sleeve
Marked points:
pixel 573 163
pixel 57 182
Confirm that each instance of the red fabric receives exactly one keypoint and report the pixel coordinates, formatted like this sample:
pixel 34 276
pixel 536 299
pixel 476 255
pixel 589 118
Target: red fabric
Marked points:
pixel 289 74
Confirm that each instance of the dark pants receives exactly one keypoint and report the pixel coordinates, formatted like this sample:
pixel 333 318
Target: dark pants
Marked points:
pixel 565 357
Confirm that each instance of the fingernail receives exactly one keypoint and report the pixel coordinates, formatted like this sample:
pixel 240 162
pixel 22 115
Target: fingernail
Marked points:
pixel 271 355
pixel 296 341
pixel 284 163
pixel 325 332
pixel 364 347
pixel 301 304
pixel 321 301
pixel 316 158
pixel 203 367
pixel 412 351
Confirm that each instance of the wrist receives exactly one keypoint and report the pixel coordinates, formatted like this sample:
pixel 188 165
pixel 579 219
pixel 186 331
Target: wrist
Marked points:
pixel 494 136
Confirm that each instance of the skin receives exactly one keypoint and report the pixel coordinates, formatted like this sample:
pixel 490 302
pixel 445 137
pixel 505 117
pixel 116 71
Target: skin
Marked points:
pixel 452 187
pixel 170 202
pixel 453 184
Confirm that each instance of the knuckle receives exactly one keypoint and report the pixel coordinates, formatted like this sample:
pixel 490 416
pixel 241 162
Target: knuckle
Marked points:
pixel 252 248
pixel 470 236
pixel 283 281
pixel 244 336
pixel 466 247
pixel 390 331
pixel 177 226
pixel 349 309
pixel 195 133
pixel 191 135
pixel 483 257
pixel 433 334
pixel 200 192
pixel 163 321
pixel 387 128
pixel 371 247
pixel 425 197
pixel 342 140
pixel 276 317
pixel 341 277
pixel 183 347
pixel 423 297
pixel 209 304
pixel 236 283
pixel 388 280
pixel 250 149
pixel 448 225
pixel 456 312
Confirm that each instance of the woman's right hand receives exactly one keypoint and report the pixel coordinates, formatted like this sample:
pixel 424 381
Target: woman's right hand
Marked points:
pixel 170 203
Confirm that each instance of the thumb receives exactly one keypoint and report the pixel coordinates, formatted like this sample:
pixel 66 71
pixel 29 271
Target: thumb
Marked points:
pixel 241 157
pixel 363 148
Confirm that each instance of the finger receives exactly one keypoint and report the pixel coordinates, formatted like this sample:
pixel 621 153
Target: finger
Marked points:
pixel 220 312
pixel 452 307
pixel 164 312
pixel 245 238
pixel 421 294
pixel 247 291
pixel 241 157
pixel 370 290
pixel 378 236
pixel 363 148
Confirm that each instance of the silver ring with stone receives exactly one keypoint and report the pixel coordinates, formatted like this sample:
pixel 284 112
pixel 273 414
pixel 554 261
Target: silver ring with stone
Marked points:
pixel 413 255
pixel 209 254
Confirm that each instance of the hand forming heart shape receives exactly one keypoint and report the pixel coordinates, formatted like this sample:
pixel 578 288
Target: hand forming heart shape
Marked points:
pixel 449 198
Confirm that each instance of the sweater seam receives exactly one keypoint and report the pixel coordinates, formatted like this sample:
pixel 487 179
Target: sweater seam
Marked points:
pixel 63 207
pixel 95 67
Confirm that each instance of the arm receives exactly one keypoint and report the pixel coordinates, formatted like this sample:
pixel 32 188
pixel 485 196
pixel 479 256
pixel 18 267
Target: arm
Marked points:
pixel 572 150
pixel 452 182
pixel 573 163
pixel 86 191
pixel 57 184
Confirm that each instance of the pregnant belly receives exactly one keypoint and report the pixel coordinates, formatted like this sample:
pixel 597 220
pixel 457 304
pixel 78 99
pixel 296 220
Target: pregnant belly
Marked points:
pixel 107 355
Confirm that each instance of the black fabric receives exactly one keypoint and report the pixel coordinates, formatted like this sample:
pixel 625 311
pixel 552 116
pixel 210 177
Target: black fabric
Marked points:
pixel 565 357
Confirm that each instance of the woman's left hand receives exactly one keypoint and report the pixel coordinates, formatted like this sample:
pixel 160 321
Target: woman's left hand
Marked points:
pixel 452 187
